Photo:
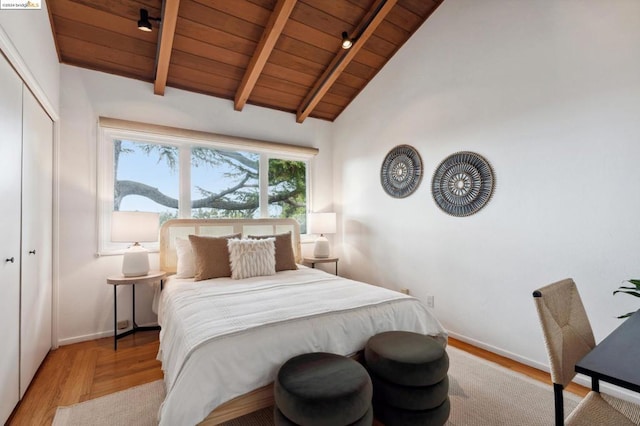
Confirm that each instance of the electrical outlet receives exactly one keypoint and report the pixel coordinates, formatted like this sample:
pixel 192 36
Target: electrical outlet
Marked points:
pixel 404 290
pixel 123 324
pixel 430 301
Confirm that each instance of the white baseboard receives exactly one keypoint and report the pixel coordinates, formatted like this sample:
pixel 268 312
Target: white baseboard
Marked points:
pixel 579 379
pixel 84 338
pixel 95 336
pixel 499 351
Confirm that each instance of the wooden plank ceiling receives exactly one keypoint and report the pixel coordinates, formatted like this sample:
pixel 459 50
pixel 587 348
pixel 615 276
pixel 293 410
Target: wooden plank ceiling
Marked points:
pixel 280 54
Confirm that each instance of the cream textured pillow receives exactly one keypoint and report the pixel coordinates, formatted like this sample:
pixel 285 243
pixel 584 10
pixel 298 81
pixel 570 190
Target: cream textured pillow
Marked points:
pixel 212 256
pixel 252 258
pixel 285 259
pixel 186 267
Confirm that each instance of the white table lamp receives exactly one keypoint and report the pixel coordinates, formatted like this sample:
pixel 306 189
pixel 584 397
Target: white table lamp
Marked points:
pixel 321 223
pixel 135 227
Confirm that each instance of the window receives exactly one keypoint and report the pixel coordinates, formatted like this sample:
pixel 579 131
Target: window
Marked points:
pixel 288 190
pixel 183 177
pixel 145 178
pixel 224 183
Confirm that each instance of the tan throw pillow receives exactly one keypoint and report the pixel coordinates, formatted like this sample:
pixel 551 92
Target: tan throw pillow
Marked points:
pixel 285 258
pixel 212 256
pixel 252 258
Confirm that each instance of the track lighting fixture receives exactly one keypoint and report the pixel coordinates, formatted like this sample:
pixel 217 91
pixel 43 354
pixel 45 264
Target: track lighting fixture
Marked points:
pixel 346 41
pixel 144 24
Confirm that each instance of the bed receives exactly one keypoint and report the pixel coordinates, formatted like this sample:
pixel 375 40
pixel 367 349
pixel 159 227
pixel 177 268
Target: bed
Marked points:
pixel 222 340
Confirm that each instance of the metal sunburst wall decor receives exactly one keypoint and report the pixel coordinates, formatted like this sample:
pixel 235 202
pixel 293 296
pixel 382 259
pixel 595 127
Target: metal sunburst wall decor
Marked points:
pixel 462 184
pixel 401 171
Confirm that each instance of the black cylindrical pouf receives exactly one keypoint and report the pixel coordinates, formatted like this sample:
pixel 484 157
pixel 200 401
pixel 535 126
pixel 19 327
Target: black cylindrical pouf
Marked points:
pixel 392 416
pixel 280 419
pixel 322 389
pixel 409 375
pixel 410 397
pixel 406 358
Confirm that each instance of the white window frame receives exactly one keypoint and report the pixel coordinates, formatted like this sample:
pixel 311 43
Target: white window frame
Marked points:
pixel 110 130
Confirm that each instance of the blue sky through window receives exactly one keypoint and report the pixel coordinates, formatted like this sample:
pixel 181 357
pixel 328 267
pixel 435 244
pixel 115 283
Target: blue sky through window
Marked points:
pixel 150 169
pixel 138 166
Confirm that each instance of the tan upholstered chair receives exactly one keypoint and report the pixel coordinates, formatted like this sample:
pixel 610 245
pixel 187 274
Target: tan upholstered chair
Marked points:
pixel 568 337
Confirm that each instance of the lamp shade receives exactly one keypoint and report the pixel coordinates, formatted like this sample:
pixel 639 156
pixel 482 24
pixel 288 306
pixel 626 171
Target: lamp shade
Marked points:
pixel 321 223
pixel 134 227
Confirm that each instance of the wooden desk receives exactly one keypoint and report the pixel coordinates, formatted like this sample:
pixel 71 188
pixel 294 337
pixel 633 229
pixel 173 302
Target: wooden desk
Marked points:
pixel 615 359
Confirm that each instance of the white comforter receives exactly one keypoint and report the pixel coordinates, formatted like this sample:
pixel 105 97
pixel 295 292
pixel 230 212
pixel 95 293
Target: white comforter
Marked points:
pixel 222 338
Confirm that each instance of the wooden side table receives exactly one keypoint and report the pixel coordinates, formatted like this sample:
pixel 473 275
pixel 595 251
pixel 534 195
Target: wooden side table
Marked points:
pixel 313 260
pixel 115 281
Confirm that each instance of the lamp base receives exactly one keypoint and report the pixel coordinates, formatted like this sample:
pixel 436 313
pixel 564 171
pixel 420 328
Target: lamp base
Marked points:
pixel 135 262
pixel 321 248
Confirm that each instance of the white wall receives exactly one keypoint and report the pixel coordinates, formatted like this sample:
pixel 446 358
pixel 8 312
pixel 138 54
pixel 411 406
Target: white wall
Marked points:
pixel 30 36
pixel 86 301
pixel 549 93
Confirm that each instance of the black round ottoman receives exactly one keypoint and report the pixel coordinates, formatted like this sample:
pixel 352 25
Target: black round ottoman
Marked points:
pixel 407 358
pixel 409 375
pixel 322 389
pixel 392 416
pixel 410 397
pixel 279 419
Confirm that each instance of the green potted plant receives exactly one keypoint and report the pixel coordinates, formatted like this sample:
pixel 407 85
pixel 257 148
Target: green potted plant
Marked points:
pixel 634 291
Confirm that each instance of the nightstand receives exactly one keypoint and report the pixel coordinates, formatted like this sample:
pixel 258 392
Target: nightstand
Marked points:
pixel 313 260
pixel 115 281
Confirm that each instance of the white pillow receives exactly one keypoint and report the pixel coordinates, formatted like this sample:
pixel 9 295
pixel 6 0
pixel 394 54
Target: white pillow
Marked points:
pixel 252 258
pixel 186 259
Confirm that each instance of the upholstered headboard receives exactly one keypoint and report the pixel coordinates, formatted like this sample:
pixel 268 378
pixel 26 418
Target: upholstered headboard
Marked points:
pixel 217 227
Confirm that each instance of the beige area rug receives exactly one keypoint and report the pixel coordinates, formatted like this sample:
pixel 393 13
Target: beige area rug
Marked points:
pixel 481 392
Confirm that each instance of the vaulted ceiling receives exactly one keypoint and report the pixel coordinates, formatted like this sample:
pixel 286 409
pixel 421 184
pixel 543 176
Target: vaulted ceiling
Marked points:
pixel 280 54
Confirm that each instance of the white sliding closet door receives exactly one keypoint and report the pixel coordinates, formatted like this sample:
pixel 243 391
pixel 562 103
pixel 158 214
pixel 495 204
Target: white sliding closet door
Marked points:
pixel 10 177
pixel 37 180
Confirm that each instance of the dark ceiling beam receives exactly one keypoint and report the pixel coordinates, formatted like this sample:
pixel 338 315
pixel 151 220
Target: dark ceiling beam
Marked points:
pixel 167 31
pixel 361 34
pixel 270 36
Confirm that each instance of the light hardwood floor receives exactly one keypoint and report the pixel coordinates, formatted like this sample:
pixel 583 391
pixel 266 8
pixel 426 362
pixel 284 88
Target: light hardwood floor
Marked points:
pixel 87 370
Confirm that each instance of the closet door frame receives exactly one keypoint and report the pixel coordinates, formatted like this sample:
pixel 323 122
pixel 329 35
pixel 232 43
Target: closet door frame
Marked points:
pixel 14 58
pixel 10 188
pixel 36 242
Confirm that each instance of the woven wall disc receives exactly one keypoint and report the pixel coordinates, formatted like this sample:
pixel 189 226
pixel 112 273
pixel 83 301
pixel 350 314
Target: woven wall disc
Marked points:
pixel 401 171
pixel 462 184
